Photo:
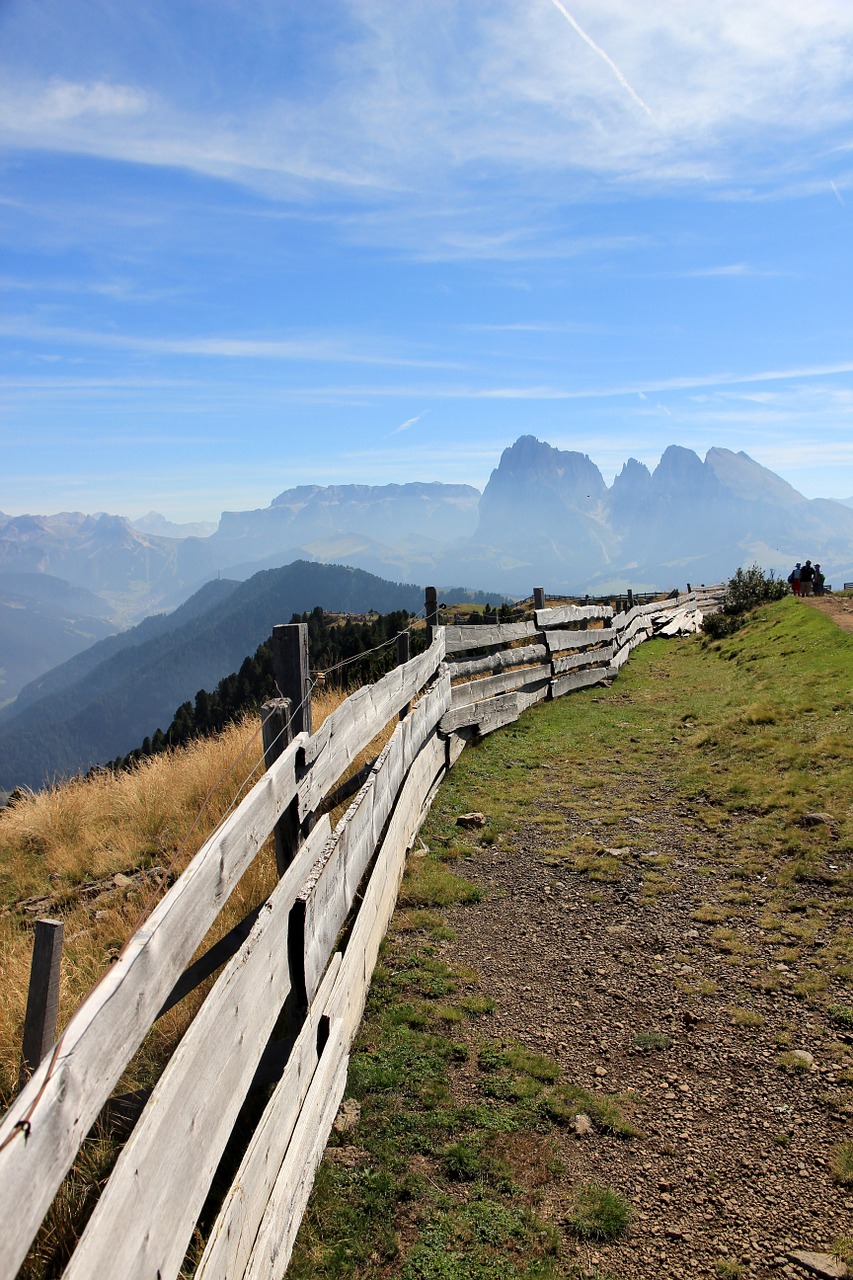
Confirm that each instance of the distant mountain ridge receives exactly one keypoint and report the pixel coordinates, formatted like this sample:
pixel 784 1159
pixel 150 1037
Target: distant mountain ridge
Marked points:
pixel 546 517
pixel 102 709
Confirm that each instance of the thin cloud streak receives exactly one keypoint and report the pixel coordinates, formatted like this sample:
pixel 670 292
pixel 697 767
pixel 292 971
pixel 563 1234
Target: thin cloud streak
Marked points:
pixel 410 422
pixel 597 49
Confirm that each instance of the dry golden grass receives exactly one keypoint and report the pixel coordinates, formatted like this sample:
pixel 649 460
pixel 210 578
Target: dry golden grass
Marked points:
pixel 158 814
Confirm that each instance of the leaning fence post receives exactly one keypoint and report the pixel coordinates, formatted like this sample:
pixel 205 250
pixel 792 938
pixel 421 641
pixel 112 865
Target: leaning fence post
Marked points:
pixel 290 664
pixel 538 597
pixel 277 733
pixel 43 996
pixel 431 609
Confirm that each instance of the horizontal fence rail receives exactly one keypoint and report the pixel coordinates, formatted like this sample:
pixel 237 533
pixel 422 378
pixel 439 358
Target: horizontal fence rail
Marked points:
pixel 294 974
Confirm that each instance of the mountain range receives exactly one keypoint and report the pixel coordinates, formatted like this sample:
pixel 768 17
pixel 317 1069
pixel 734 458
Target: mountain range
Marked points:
pixel 546 517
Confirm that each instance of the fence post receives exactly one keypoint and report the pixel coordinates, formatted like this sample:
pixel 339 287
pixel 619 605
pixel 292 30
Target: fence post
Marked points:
pixel 630 598
pixel 404 649
pixel 43 996
pixel 431 609
pixel 290 664
pixel 538 597
pixel 277 734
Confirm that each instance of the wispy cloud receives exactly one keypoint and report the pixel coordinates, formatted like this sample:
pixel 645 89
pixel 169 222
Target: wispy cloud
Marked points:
pixel 410 422
pixel 302 348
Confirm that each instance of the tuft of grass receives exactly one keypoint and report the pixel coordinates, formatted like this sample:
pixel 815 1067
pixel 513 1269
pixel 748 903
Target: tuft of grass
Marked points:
pixel 652 1040
pixel 607 1111
pixel 598 1213
pixel 745 1017
pixel 841 1164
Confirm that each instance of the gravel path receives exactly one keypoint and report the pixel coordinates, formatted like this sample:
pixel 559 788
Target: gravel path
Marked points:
pixel 733 1165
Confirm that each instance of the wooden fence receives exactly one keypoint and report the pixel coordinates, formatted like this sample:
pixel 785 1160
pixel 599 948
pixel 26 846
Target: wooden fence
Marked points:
pixel 308 952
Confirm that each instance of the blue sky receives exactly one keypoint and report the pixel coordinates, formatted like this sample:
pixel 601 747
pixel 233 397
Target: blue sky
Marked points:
pixel 252 246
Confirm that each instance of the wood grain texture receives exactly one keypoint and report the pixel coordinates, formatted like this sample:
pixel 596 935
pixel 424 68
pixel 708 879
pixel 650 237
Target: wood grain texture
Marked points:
pixel 577 680
pixel 588 657
pixel 62 1101
pixel 476 690
pixel 229 1245
pixel 145 1218
pixel 562 613
pixel 559 641
pixel 476 637
pixel 332 884
pixel 286 1205
pixel 349 728
pixel 499 661
pixel 484 716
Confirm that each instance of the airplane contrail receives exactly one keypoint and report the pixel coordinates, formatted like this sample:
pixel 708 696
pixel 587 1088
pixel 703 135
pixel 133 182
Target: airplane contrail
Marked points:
pixel 838 194
pixel 597 49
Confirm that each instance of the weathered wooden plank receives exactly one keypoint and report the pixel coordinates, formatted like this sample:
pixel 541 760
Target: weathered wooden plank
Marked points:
pixel 477 690
pixel 622 620
pixel 377 906
pixel 329 891
pixel 485 716
pixel 51 1117
pixel 577 680
pixel 349 729
pixel 528 697
pixel 599 657
pixel 558 641
pixel 497 661
pixel 474 637
pixel 277 1233
pixel 561 613
pixel 230 1242
pixel 144 1220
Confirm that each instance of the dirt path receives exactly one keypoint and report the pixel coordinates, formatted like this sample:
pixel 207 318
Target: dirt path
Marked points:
pixel 732 1166
pixel 839 608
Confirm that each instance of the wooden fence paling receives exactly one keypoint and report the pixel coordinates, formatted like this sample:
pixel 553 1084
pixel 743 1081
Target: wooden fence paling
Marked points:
pixel 485 716
pixel 283 1212
pixel 477 690
pixel 47 1122
pixel 354 724
pixel 42 996
pixel 479 637
pixel 585 658
pixel 274 1243
pixel 561 613
pixel 145 1217
pixel 577 680
pixel 230 1242
pixel 331 886
pixel 558 641
pixel 498 661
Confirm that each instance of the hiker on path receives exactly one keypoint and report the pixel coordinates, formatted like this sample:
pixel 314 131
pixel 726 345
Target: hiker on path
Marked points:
pixel 806 579
pixel 794 579
pixel 819 580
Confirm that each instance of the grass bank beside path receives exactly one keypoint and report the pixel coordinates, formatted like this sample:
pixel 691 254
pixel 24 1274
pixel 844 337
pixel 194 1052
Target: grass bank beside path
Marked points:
pixel 611 1033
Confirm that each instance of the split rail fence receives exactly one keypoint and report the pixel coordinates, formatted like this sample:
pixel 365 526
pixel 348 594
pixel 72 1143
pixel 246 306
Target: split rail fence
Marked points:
pixel 302 961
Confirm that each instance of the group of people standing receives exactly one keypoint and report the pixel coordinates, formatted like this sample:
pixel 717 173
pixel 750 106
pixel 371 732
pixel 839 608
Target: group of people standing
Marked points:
pixel 806 579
